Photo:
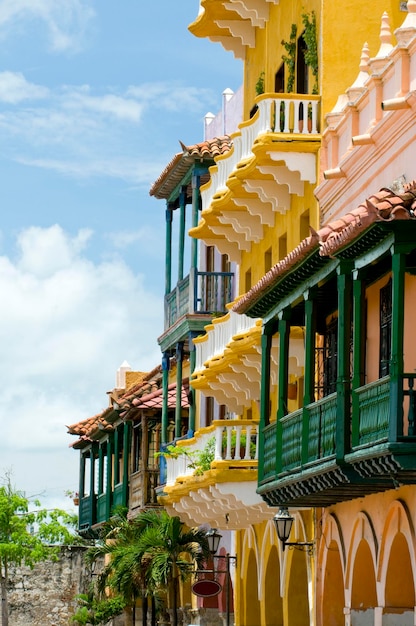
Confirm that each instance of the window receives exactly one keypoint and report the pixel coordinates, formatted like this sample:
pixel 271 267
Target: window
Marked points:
pixel 267 260
pixel 282 247
pixel 326 365
pixel 304 226
pixel 248 280
pixel 301 67
pixel 385 329
pixel 209 410
pixel 279 80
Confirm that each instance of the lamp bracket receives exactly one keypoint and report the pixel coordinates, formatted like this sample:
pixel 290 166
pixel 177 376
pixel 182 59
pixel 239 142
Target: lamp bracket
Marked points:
pixel 304 546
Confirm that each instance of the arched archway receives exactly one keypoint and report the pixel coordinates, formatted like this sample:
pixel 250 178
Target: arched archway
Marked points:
pixel 297 591
pixel 363 587
pixel 251 605
pixel 333 600
pixel 272 599
pixel 400 585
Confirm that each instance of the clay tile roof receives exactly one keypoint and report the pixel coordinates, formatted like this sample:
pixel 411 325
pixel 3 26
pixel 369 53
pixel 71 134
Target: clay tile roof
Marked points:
pixel 154 400
pixel 383 206
pixel 179 165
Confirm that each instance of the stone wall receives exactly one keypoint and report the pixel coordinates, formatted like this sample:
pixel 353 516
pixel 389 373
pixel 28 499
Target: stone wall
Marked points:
pixel 44 596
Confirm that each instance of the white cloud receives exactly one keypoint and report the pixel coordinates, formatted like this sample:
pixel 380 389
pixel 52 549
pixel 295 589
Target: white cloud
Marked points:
pixel 115 106
pixel 67 326
pixel 65 20
pixel 81 133
pixel 173 96
pixel 14 88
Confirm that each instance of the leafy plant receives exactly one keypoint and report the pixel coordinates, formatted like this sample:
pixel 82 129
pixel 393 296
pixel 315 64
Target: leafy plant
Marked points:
pixel 28 537
pixel 260 84
pixel 311 50
pixel 202 459
pixel 93 610
pixel 290 58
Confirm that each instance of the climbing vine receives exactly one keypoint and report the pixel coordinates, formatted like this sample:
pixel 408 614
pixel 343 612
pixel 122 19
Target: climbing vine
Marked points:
pixel 290 58
pixel 311 50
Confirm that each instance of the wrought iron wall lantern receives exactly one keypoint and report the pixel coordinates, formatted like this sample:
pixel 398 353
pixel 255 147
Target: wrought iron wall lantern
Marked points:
pixel 283 521
pixel 214 538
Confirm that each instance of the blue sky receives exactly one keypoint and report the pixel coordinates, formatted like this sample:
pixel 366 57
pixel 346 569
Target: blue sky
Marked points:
pixel 94 97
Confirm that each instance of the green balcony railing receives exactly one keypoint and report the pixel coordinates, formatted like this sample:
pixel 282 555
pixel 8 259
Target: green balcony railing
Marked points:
pixel 102 507
pixel 321 419
pixel 199 292
pixel 292 440
pixel 372 404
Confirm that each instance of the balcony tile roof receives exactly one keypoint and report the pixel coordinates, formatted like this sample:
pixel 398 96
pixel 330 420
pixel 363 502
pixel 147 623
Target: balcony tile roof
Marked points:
pixel 180 164
pixel 383 206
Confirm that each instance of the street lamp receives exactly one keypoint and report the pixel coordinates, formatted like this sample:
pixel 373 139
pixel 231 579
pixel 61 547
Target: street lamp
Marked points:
pixel 283 521
pixel 213 539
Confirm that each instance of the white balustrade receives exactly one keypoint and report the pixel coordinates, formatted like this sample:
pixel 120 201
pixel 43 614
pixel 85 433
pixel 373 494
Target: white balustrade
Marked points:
pixel 219 336
pixel 278 115
pixel 235 440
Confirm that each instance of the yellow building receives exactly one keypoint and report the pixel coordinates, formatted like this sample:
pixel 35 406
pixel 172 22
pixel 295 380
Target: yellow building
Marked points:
pixel 327 121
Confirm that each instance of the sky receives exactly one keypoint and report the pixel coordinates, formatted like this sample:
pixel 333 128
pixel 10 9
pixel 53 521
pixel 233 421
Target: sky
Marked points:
pixel 94 98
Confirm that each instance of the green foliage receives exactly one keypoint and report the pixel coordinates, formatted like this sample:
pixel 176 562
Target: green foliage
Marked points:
pixel 311 50
pixel 93 610
pixel 203 458
pixel 290 58
pixel 27 537
pixel 148 555
pixel 172 452
pixel 260 84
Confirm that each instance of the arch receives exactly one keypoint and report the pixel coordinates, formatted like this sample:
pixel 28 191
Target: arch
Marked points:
pixel 398 520
pixel 362 530
pixel 250 602
pixel 363 590
pixel 297 595
pixel 270 578
pixel 272 600
pixel 399 585
pixel 331 562
pixel 396 566
pixel 333 597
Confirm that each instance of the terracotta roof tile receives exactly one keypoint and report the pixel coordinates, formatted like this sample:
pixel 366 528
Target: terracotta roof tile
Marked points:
pixel 383 206
pixel 155 400
pixel 179 165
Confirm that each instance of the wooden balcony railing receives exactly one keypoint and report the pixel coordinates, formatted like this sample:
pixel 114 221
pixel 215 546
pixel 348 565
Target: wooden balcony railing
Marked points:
pixel 199 292
pixel 308 436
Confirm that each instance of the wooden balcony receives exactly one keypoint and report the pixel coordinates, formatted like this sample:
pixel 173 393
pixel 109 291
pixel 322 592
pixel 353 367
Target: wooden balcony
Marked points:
pixel 302 464
pixel 224 491
pixel 203 293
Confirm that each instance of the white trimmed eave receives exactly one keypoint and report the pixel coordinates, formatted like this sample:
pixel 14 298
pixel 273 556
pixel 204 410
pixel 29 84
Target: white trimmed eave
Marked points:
pixel 251 200
pixel 232 23
pixel 228 505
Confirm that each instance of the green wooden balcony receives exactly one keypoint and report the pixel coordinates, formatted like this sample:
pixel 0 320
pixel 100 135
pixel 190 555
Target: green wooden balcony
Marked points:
pixel 304 464
pixel 93 509
pixel 199 293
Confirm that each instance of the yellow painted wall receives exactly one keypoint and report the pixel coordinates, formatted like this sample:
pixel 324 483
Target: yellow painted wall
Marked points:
pixel 343 29
pixel 273 587
pixel 285 225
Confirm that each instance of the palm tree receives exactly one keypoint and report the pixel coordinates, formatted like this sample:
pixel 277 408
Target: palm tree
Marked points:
pixel 149 555
pixel 170 553
pixel 123 572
